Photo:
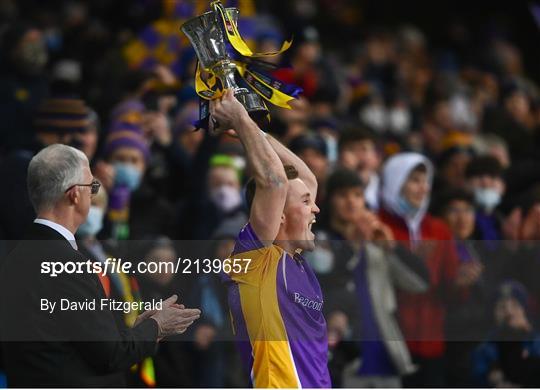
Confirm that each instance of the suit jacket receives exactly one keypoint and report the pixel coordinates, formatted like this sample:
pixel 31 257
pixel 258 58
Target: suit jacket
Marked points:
pixel 85 348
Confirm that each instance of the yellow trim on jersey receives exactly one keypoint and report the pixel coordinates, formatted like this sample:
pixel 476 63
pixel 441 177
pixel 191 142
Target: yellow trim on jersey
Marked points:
pixel 273 364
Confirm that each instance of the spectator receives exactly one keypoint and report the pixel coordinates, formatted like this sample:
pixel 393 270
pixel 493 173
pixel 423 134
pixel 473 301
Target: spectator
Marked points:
pixel 514 122
pixel 208 351
pixel 171 366
pixel 116 285
pixel 312 149
pixel 453 161
pixel 359 265
pixel 220 200
pixel 405 195
pixel 468 319
pixel 288 124
pixel 521 229
pixel 23 84
pixel 358 152
pixel 87 139
pixel 485 179
pixel 328 129
pixel 305 61
pixel 183 148
pixel 57 120
pixel 438 123
pixel 492 145
pixel 510 357
pixel 135 209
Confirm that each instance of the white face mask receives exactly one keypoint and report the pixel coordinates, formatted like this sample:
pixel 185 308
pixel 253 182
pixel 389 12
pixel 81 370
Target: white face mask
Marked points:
pixel 462 113
pixel 399 120
pixel 374 116
pixel 226 198
pixel 321 259
pixel 487 198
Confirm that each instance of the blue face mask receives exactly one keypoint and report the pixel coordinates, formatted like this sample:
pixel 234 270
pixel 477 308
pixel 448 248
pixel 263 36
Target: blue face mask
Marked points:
pixel 332 147
pixel 127 175
pixel 93 223
pixel 406 208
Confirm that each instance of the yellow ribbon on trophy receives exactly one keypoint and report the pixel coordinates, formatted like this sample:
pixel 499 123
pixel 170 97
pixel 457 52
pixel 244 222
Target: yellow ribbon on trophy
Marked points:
pixel 234 37
pixel 263 88
pixel 208 89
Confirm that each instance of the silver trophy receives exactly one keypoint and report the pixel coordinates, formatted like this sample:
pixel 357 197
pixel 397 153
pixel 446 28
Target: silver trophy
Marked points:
pixel 207 38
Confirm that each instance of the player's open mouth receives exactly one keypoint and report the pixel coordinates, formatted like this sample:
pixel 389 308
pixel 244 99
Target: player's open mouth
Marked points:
pixel 310 225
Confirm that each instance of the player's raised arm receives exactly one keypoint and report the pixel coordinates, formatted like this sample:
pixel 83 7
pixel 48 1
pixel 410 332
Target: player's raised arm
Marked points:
pixel 269 174
pixel 289 158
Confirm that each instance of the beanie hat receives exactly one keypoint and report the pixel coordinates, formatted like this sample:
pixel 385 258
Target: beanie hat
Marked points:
pixel 126 135
pixel 223 160
pixel 129 111
pixel 62 115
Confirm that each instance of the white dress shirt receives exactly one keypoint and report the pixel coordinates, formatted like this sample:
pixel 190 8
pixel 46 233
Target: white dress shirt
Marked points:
pixel 60 229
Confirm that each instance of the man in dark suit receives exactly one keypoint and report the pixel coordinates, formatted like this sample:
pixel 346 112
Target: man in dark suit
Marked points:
pixel 87 347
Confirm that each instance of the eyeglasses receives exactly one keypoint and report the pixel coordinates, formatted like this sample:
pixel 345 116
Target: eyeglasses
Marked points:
pixel 94 186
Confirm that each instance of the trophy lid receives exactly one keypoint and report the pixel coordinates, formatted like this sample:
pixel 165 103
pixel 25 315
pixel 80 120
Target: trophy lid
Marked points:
pixel 207 18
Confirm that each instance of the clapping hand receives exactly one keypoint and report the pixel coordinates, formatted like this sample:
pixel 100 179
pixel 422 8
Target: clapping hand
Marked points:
pixel 173 318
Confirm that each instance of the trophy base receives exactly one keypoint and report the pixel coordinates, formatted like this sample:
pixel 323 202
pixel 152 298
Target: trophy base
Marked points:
pixel 253 104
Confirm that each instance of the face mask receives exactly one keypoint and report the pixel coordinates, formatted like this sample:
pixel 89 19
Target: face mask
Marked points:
pixel 127 175
pixel 487 198
pixel 332 147
pixel 374 116
pixel 226 198
pixel 93 223
pixel 239 162
pixel 462 114
pixel 406 208
pixel 399 120
pixel 321 259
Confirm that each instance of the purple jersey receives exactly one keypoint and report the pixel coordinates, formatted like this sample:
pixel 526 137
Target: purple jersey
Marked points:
pixel 276 309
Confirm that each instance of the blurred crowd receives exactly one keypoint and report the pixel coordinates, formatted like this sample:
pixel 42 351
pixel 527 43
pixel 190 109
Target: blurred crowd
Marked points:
pixel 426 158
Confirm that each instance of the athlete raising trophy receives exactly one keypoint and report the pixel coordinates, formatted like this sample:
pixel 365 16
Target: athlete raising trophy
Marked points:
pixel 276 302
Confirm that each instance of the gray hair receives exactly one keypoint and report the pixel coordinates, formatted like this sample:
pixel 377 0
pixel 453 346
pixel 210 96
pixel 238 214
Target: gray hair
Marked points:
pixel 51 172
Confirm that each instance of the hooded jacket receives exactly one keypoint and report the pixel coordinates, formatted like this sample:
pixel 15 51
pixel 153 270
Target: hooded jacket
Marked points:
pixel 421 315
pixel 395 173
